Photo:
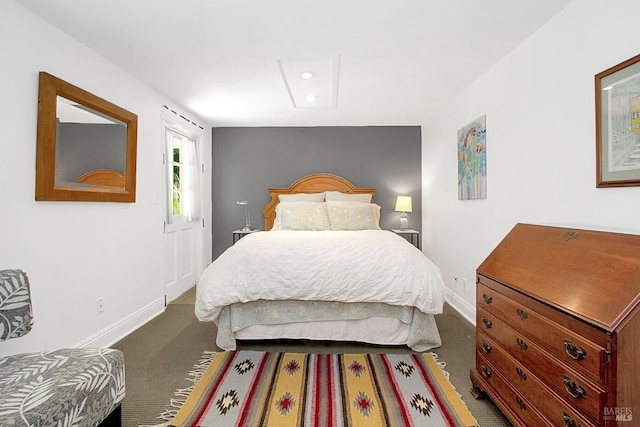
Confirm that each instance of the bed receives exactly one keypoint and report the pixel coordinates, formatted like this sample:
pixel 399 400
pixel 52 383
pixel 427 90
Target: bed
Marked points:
pixel 323 270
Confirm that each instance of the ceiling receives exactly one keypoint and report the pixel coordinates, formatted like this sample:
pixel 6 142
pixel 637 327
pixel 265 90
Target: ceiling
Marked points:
pixel 398 61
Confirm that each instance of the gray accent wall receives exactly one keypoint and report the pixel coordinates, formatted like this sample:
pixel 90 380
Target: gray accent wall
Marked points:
pixel 248 161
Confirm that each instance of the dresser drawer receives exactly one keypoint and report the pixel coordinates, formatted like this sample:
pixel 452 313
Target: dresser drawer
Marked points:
pixel 520 406
pixel 530 387
pixel 573 388
pixel 574 350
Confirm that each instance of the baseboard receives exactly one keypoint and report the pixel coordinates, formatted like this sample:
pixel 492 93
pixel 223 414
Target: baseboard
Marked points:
pixel 124 327
pixel 459 304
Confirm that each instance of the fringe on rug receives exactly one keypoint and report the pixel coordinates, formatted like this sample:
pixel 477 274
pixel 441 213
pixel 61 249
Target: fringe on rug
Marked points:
pixel 441 364
pixel 181 394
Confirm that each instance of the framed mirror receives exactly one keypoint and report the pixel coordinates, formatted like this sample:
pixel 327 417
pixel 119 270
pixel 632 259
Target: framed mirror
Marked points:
pixel 86 146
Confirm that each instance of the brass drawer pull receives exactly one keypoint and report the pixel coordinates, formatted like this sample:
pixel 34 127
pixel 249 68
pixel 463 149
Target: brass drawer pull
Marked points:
pixel 487 323
pixel 523 345
pixel 568 422
pixel 486 347
pixel 573 389
pixel 521 403
pixel 573 351
pixel 521 374
pixel 521 314
pixel 486 371
pixel 488 299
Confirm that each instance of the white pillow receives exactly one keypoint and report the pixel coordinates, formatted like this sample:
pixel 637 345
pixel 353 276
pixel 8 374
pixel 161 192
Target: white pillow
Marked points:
pixel 338 196
pixel 353 215
pixel 302 197
pixel 302 216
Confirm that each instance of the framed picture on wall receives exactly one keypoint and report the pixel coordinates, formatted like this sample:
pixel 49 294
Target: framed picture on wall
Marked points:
pixel 618 125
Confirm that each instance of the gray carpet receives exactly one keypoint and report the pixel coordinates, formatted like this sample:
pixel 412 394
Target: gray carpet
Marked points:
pixel 159 355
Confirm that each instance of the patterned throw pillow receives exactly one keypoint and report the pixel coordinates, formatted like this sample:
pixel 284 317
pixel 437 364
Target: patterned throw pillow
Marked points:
pixel 15 304
pixel 353 216
pixel 303 216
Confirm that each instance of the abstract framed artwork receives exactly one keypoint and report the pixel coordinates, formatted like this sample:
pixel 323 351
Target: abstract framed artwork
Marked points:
pixel 472 160
pixel 617 91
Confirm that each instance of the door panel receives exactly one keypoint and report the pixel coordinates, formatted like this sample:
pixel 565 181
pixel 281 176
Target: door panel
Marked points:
pixel 180 256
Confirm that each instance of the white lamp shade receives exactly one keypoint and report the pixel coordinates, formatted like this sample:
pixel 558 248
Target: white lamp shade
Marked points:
pixel 403 204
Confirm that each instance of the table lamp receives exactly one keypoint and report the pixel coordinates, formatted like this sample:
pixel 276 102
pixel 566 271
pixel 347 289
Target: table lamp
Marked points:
pixel 403 204
pixel 247 218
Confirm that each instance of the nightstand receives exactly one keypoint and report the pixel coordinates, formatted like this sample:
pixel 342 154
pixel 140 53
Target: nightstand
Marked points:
pixel 239 234
pixel 413 236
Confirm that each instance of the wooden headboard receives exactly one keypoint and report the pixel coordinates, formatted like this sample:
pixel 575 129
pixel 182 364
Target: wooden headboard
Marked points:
pixel 316 183
pixel 102 178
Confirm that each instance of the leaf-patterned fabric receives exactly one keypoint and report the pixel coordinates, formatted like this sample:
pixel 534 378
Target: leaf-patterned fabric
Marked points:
pixel 15 304
pixel 71 387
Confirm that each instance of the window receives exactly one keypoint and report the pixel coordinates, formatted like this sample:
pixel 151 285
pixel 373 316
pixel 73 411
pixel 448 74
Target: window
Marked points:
pixel 183 185
pixel 177 175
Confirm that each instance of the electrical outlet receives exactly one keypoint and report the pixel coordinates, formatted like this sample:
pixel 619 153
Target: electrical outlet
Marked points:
pixel 100 306
pixel 464 284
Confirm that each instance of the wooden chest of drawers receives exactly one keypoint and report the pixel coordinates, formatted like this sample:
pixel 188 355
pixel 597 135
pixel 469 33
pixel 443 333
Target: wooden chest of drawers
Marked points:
pixel 558 327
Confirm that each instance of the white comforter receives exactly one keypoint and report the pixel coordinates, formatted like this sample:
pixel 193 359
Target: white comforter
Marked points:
pixel 345 266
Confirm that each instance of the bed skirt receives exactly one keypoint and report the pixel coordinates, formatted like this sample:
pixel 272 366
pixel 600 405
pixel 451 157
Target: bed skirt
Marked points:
pixel 336 321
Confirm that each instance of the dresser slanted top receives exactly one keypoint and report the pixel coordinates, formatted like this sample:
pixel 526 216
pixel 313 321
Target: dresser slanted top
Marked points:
pixel 592 275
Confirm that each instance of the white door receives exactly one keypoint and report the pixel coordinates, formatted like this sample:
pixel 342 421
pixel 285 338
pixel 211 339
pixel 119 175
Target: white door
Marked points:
pixel 183 221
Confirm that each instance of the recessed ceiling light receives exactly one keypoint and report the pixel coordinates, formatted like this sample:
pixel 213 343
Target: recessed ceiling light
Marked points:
pixel 312 98
pixel 307 75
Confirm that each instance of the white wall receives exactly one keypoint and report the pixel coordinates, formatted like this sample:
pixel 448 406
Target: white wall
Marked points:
pixel 76 252
pixel 539 103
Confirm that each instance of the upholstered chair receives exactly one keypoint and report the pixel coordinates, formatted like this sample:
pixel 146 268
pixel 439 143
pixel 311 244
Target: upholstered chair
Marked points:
pixel 79 386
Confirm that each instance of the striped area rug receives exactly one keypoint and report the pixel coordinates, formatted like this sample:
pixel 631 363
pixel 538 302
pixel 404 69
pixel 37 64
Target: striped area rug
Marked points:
pixel 250 388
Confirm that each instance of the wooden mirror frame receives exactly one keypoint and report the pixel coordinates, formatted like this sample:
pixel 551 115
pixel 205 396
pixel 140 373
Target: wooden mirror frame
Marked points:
pixel 49 89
